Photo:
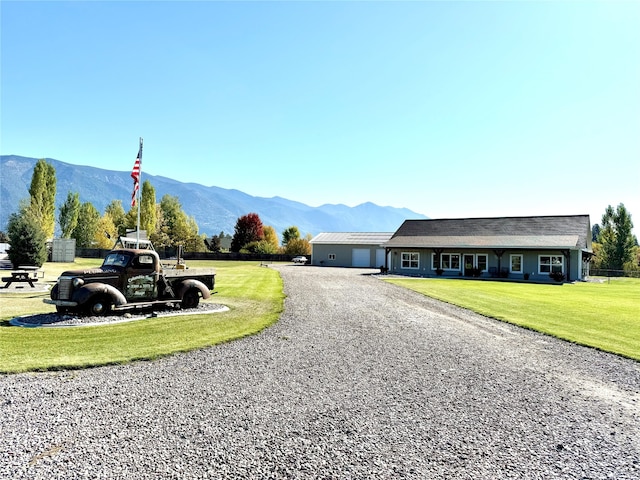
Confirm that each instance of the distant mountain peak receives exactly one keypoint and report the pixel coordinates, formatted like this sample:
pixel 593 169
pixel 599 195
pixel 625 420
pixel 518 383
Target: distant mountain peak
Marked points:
pixel 214 209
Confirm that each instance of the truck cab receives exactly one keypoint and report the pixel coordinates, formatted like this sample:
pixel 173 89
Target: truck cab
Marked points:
pixel 129 278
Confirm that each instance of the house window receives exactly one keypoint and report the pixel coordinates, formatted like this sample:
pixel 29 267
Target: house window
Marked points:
pixel 550 263
pixel 410 260
pixel 475 260
pixel 450 261
pixel 332 256
pixel 481 262
pixel 516 263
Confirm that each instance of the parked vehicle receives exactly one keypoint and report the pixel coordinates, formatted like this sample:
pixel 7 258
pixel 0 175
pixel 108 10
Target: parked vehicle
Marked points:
pixel 299 259
pixel 131 278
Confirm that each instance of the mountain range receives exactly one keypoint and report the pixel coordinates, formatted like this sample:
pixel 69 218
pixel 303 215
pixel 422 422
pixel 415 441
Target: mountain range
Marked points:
pixel 214 209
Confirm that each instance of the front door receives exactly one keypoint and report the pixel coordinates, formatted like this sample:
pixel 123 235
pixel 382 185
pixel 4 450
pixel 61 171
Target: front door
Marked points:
pixel 468 261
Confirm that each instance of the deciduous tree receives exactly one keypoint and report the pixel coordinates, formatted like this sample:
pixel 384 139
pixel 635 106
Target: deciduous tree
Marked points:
pixel 43 196
pixel 118 216
pixel 617 241
pixel 69 211
pixel 271 237
pixel 290 233
pixel 248 229
pixel 298 246
pixel 148 214
pixel 85 231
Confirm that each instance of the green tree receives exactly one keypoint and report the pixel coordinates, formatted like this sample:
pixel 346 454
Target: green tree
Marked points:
pixel 69 210
pixel 118 216
pixel 214 244
pixel 85 231
pixel 176 228
pixel 248 229
pixel 290 233
pixel 28 239
pixel 43 196
pixel 148 212
pixel 260 246
pixel 616 240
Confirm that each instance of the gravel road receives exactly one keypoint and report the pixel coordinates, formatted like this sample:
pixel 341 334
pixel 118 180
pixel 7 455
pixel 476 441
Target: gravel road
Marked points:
pixel 359 379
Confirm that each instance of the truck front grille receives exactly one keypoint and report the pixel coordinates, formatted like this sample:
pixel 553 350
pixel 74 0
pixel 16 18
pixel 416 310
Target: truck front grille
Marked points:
pixel 65 285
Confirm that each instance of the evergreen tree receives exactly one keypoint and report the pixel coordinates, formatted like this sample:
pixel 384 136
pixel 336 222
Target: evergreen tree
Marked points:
pixel 43 196
pixel 28 239
pixel 69 210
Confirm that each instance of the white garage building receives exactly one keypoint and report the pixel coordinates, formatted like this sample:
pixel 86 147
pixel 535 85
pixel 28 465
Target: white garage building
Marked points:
pixel 349 249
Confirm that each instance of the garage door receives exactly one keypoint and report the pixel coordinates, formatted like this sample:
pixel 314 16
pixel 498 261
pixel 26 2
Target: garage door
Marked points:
pixel 360 257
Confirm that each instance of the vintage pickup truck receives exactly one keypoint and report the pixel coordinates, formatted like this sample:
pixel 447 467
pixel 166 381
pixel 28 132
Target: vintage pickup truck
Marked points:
pixel 130 278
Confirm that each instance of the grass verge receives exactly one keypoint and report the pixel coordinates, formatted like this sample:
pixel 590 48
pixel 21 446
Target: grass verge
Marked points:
pixel 253 294
pixel 604 315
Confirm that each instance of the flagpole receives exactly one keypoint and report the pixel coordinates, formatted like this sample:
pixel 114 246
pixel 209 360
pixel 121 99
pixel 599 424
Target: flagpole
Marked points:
pixel 139 197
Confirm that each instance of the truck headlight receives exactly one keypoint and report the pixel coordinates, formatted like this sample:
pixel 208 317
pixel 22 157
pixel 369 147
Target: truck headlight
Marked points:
pixel 78 282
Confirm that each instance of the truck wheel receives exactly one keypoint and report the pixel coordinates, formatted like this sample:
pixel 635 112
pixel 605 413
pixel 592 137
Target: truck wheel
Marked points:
pixel 190 299
pixel 99 305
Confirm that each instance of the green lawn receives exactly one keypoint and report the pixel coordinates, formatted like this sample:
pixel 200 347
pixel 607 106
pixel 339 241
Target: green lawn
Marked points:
pixel 253 294
pixel 600 315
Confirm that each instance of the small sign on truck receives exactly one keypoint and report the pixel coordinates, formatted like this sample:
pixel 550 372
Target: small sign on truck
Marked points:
pixel 130 278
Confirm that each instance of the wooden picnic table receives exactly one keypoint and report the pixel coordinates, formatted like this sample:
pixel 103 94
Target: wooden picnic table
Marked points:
pixel 24 275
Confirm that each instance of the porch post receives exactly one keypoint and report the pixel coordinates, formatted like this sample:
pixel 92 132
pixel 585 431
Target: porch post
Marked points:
pixel 567 256
pixel 499 254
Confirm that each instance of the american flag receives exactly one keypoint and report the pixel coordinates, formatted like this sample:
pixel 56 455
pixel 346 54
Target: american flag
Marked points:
pixel 135 174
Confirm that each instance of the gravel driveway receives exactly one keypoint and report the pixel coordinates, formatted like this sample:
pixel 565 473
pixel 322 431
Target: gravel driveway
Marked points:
pixel 359 379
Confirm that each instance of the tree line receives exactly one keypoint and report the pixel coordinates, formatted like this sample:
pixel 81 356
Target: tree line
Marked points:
pixel 615 247
pixel 166 224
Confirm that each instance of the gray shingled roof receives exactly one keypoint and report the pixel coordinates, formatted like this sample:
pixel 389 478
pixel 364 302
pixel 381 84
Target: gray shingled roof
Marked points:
pixel 352 238
pixel 571 231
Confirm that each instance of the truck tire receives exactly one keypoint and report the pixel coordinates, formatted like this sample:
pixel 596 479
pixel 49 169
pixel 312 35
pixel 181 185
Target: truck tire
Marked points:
pixel 190 299
pixel 99 305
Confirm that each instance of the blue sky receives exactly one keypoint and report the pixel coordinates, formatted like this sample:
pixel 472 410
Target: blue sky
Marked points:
pixel 451 109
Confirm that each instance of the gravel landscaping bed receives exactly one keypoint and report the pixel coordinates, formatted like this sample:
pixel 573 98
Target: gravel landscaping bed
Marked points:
pixel 358 379
pixel 69 320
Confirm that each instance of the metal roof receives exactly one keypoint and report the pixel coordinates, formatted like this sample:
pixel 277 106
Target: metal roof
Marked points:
pixel 352 238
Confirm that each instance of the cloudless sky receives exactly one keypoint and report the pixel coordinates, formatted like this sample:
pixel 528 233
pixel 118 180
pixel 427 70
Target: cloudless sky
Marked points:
pixel 450 109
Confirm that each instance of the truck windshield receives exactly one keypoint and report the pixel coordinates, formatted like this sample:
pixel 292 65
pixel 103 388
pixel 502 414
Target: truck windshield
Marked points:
pixel 116 260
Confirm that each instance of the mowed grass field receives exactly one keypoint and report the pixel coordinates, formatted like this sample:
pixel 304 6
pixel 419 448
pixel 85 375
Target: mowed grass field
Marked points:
pixel 254 295
pixel 601 315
